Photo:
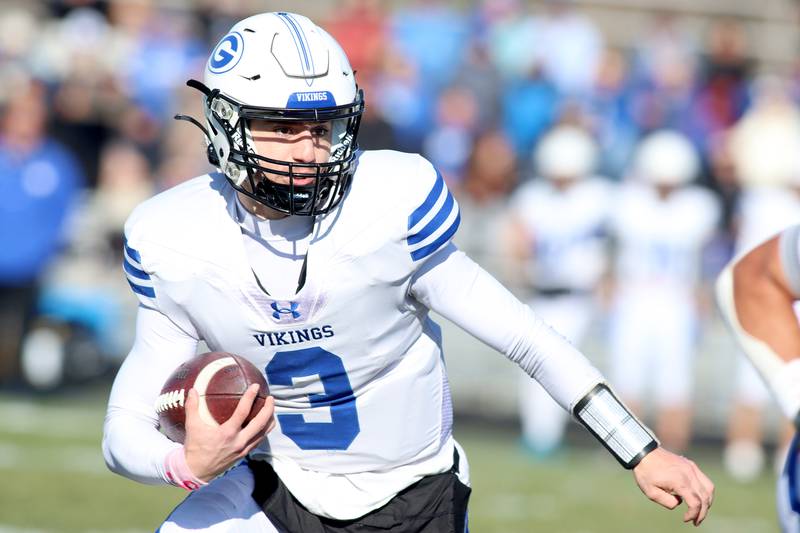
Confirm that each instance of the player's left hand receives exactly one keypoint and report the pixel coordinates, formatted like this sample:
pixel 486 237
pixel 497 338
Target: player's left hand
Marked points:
pixel 669 479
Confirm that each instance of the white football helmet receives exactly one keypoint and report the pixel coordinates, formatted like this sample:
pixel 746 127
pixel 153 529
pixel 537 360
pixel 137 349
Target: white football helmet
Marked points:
pixel 666 157
pixel 566 152
pixel 280 67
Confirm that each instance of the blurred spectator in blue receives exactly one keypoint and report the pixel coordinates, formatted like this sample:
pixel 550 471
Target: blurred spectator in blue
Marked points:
pixel 664 76
pixel 39 183
pixel 403 100
pixel 429 43
pixel 434 36
pixel 569 47
pixel 164 52
pixel 511 38
pixel 449 143
pixel 529 106
pixel 722 95
pixel 528 100
pixel 480 77
pixel 84 320
pixel 610 113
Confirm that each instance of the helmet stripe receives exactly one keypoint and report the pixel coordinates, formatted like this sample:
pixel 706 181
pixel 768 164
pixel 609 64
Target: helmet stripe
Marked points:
pixel 301 43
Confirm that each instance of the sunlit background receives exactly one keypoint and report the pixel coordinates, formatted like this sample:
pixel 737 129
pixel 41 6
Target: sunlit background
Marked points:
pixel 87 94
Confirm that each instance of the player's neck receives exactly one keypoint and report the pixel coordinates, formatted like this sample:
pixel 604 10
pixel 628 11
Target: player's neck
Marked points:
pixel 258 209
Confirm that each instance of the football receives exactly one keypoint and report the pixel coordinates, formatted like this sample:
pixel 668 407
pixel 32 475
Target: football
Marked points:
pixel 220 379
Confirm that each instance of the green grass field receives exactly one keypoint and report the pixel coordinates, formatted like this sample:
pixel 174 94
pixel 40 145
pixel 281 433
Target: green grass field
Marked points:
pixel 54 479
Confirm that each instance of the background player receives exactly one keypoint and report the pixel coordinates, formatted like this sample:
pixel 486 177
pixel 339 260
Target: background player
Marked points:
pixel 319 264
pixel 559 254
pixel 660 224
pixel 756 294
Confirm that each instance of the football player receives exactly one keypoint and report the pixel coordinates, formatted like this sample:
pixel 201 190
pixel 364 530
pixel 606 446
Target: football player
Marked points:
pixel 756 294
pixel 763 211
pixel 661 224
pixel 559 254
pixel 319 264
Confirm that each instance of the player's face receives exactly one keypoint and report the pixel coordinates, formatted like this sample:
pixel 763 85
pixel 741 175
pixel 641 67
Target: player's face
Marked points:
pixel 302 142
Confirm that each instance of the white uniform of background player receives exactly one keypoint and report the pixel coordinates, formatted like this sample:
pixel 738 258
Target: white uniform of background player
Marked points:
pixel 558 242
pixel 660 225
pixel 330 301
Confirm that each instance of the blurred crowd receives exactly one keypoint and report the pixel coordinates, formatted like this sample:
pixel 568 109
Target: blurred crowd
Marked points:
pixel 593 179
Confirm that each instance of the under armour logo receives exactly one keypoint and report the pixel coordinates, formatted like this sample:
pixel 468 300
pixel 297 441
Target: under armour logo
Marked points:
pixel 277 311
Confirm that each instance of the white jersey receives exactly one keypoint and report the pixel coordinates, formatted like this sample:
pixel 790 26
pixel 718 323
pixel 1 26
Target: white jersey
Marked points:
pixel 355 365
pixel 354 378
pixel 660 240
pixel 568 231
pixel 763 212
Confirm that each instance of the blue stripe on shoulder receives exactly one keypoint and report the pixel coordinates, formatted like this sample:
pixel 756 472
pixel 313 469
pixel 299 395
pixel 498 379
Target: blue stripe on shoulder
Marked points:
pixel 133 254
pixel 420 212
pixel 133 271
pixel 425 251
pixel 144 291
pixel 435 222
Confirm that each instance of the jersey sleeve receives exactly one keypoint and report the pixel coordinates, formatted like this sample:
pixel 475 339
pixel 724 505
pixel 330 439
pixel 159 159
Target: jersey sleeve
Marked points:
pixel 433 216
pixel 132 444
pixel 451 283
pixel 140 281
pixel 145 261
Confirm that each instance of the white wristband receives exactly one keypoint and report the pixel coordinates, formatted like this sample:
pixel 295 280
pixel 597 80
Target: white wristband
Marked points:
pixel 614 426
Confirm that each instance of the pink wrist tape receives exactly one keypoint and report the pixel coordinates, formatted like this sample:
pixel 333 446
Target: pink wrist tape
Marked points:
pixel 179 472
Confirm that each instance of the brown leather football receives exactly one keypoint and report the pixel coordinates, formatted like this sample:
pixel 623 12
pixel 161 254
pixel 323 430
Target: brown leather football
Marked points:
pixel 220 379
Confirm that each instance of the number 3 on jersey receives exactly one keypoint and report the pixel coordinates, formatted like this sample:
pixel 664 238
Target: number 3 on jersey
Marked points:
pixel 338 396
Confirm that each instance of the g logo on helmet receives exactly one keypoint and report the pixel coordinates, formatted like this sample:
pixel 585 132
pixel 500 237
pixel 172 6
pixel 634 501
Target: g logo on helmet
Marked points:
pixel 227 53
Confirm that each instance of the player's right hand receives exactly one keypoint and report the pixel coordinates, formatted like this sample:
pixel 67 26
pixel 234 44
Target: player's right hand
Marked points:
pixel 669 479
pixel 210 450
